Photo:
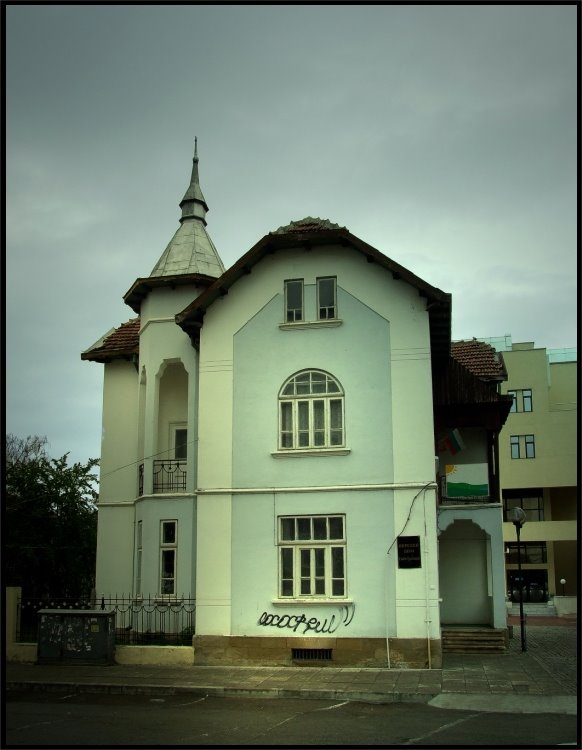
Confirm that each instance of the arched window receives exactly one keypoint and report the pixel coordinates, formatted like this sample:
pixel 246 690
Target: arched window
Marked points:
pixel 311 411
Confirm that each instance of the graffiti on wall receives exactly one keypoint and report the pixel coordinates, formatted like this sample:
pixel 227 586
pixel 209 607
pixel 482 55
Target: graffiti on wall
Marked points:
pixel 302 624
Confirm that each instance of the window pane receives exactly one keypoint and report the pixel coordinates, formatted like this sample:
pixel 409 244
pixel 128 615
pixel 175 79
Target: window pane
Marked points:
pixel 527 400
pixel 320 528
pixel 337 562
pixel 319 562
pixel 337 587
pixel 294 300
pixel 318 384
pixel 530 446
pixel 336 527
pixel 336 431
pixel 305 562
pixel 303 528
pixel 335 411
pixel 286 416
pixel 303 420
pixel 288 529
pixel 326 292
pixel 514 402
pixel 287 562
pixel 318 423
pixel 169 533
pixel 332 386
pixel 302 384
pixel 326 297
pixel 168 563
pixel 303 414
pixel 514 441
pixel 286 588
pixel 180 444
pixel 305 557
pixel 167 586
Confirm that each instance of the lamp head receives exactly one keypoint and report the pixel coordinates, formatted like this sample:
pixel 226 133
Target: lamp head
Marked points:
pixel 517 516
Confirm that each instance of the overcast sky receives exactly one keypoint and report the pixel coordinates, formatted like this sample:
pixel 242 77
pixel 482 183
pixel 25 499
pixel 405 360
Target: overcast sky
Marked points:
pixel 444 136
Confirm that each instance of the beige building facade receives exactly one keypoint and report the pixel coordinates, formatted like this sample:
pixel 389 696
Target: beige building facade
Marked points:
pixel 538 457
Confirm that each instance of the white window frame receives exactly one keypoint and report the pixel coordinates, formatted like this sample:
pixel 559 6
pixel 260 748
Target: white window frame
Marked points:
pixel 294 314
pixel 168 582
pixel 138 558
pixel 175 428
pixel 308 567
pixel 311 404
pixel 327 312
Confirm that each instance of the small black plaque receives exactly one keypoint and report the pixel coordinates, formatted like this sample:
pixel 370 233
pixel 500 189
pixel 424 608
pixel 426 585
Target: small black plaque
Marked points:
pixel 409 552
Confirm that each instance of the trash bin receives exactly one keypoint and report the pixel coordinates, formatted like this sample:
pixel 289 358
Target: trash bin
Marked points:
pixel 76 636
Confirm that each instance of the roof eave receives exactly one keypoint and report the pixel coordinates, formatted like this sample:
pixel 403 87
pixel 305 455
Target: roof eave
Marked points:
pixel 142 287
pixel 438 302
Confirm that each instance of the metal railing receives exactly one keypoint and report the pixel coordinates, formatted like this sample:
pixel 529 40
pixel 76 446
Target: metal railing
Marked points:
pixel 169 476
pixel 152 621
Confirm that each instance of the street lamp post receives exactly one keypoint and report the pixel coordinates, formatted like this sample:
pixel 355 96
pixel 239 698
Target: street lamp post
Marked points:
pixel 563 582
pixel 517 516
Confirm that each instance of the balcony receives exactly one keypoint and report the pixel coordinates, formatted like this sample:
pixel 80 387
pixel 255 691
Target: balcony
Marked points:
pixel 456 497
pixel 169 476
pixel 464 493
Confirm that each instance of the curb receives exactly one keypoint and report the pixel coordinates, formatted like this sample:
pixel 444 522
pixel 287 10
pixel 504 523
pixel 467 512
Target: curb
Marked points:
pixel 221 692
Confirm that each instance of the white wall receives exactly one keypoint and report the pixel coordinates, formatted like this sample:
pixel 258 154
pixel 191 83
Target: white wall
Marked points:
pixel 381 355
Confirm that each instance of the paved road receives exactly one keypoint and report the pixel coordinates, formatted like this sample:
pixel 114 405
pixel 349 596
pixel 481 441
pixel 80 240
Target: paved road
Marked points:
pixel 41 719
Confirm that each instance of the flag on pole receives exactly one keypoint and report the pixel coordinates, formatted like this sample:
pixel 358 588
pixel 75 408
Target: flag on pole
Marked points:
pixel 451 442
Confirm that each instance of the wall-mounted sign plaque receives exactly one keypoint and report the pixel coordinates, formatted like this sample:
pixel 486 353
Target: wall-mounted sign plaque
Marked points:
pixel 409 552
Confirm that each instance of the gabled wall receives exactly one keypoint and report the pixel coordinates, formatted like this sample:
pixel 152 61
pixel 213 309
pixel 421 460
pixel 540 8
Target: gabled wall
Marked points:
pixel 380 353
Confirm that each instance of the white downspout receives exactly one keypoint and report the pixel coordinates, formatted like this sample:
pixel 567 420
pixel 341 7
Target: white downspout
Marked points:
pixel 426 588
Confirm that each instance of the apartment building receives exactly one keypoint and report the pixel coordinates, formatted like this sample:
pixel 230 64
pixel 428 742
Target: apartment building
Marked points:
pixel 538 457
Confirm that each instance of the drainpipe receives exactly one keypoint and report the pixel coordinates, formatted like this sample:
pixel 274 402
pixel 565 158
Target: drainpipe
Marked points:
pixel 426 589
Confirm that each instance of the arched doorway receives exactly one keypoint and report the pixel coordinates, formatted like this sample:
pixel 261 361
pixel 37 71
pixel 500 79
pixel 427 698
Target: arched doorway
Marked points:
pixel 463 575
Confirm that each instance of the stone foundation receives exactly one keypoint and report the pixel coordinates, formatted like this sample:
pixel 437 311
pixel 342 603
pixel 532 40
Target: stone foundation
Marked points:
pixel 405 653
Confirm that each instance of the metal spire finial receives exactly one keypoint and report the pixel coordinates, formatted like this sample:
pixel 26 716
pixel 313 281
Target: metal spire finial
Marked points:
pixel 195 147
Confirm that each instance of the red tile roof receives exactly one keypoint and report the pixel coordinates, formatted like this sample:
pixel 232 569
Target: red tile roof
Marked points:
pixel 479 358
pixel 122 343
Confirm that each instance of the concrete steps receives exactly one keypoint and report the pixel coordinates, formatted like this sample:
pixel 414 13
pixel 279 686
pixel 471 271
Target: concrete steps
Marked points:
pixel 473 640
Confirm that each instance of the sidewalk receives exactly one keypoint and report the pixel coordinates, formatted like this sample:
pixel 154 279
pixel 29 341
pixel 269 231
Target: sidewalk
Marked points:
pixel 541 680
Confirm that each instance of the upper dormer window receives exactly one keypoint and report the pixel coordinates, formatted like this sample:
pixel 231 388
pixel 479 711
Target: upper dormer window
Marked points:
pixel 293 300
pixel 326 298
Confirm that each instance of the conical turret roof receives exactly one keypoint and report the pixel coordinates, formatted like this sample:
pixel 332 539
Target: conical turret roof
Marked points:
pixel 191 251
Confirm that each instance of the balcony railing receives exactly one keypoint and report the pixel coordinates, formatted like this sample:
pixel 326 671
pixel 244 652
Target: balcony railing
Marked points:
pixel 169 476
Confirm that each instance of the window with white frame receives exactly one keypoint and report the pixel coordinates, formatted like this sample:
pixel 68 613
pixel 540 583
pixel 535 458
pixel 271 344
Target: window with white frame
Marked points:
pixel 522 446
pixel 168 552
pixel 179 439
pixel 312 557
pixel 138 557
pixel 293 300
pixel 311 411
pixel 522 400
pixel 326 298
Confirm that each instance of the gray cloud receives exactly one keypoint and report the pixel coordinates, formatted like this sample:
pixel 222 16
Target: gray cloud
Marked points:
pixel 443 135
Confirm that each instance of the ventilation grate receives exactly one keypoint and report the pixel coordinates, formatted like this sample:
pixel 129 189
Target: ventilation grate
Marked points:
pixel 305 654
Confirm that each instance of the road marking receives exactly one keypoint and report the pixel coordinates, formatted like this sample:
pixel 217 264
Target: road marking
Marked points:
pixel 440 729
pixel 329 708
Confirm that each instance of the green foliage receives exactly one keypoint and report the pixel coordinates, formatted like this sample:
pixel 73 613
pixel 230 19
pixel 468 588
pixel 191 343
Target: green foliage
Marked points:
pixel 50 520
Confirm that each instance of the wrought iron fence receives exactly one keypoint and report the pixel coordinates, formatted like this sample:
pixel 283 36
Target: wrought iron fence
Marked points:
pixel 169 476
pixel 155 621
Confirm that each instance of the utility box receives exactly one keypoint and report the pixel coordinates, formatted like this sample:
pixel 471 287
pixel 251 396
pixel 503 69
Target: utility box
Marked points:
pixel 76 636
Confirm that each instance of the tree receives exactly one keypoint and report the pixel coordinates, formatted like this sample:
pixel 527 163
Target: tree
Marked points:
pixel 50 521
